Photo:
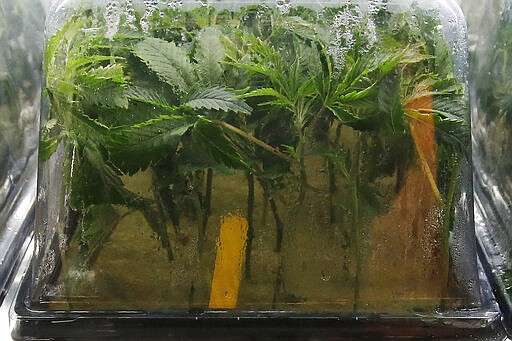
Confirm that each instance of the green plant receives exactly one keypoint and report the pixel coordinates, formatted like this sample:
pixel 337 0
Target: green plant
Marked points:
pixel 257 91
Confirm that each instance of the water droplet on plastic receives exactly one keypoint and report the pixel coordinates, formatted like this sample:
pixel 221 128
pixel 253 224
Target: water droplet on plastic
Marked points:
pixel 374 6
pixel 42 194
pixel 151 6
pixel 175 4
pixel 112 16
pixel 284 6
pixel 129 13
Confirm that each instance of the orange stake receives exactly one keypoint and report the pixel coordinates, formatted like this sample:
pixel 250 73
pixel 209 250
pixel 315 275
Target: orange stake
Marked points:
pixel 408 258
pixel 228 263
pixel 423 133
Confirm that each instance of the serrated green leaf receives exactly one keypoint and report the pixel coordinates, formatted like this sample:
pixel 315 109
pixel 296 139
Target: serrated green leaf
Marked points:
pixel 48 145
pixel 57 45
pixel 209 54
pixel 363 120
pixel 62 90
pixel 211 138
pixel 149 96
pixel 389 101
pixel 448 116
pixel 98 223
pixel 452 134
pixel 357 95
pixel 302 28
pixel 84 63
pixel 343 115
pixel 254 68
pixel 49 140
pixel 389 62
pixel 167 60
pixel 94 182
pixel 217 98
pixel 356 71
pixel 103 92
pixel 136 147
pixel 114 72
pixel 88 131
pixel 271 92
pixel 262 92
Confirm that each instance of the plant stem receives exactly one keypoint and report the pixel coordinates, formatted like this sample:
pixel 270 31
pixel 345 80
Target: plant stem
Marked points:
pixel 278 283
pixel 72 225
pixel 302 172
pixel 279 225
pixel 207 205
pixel 191 295
pixel 275 213
pixel 167 206
pixel 356 242
pixel 256 141
pixel 332 189
pixel 250 222
pixel 429 174
pixel 331 171
pixel 158 225
pixel 454 166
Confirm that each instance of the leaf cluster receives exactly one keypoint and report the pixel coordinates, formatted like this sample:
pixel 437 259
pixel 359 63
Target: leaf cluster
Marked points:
pixel 231 91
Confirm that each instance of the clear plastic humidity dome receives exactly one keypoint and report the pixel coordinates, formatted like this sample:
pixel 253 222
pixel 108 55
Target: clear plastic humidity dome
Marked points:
pixel 491 79
pixel 21 40
pixel 234 161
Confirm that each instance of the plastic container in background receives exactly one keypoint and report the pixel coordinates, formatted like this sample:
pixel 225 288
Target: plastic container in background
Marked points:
pixel 299 167
pixel 490 36
pixel 21 38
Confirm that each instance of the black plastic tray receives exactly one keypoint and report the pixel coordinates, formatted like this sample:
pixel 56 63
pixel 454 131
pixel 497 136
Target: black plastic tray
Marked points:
pixel 476 324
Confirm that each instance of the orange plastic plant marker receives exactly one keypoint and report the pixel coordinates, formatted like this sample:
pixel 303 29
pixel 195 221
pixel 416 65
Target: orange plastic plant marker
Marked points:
pixel 423 133
pixel 229 261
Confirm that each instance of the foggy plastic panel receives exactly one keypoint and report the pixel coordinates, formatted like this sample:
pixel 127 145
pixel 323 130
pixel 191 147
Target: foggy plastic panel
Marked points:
pixel 491 75
pixel 21 38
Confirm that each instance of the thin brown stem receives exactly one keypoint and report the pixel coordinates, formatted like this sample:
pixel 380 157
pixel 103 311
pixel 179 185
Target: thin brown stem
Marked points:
pixel 250 223
pixel 332 190
pixel 207 204
pixel 279 225
pixel 356 226
pixel 256 141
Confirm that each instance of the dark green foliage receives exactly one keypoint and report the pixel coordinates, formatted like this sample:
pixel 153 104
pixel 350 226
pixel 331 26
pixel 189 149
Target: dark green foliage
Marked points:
pixel 135 148
pixel 169 61
pixel 91 172
pixel 97 225
pixel 256 91
pixel 211 137
pixel 216 98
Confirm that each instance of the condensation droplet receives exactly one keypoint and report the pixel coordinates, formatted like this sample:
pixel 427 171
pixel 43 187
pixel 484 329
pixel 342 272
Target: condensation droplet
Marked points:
pixel 284 6
pixel 326 276
pixel 151 6
pixel 175 4
pixel 112 16
pixel 374 6
pixel 130 14
pixel 41 195
pixel 163 4
pixel 348 25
